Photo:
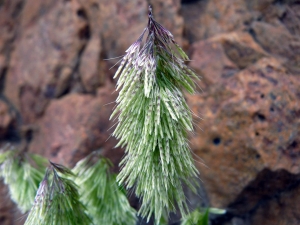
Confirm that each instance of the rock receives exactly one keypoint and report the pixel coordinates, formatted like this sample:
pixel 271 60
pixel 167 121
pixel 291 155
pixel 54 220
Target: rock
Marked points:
pixel 75 125
pixel 7 119
pixel 291 19
pixel 108 39
pixel 251 122
pixel 281 208
pixel 259 18
pixel 260 5
pixel 117 32
pixel 210 61
pixel 89 66
pixel 8 210
pixel 45 55
pixel 215 17
pixel 9 20
pixel 224 55
pixel 240 48
pixel 266 200
pixel 281 44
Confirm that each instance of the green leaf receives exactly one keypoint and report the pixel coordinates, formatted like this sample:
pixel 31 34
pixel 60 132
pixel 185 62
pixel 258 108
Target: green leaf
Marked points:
pixel 204 220
pixel 197 217
pixel 217 211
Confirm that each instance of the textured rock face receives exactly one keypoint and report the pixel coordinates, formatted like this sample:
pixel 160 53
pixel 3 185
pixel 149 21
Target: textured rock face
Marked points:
pixel 9 214
pixel 249 100
pixel 55 87
pixel 82 126
pixel 251 121
pixel 42 62
pixel 7 119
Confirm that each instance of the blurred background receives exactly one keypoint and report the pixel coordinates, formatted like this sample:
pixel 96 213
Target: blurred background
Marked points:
pixel 55 86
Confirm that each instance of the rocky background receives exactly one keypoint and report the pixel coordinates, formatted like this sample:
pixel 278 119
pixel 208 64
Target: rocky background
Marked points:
pixel 56 86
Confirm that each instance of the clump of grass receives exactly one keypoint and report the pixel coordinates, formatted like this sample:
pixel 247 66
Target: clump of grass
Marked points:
pixel 154 120
pixel 200 216
pixel 22 172
pixel 57 200
pixel 106 202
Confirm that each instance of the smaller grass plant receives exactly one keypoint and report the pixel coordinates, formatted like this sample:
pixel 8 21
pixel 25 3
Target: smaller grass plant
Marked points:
pixel 57 200
pixel 105 200
pixel 200 216
pixel 22 172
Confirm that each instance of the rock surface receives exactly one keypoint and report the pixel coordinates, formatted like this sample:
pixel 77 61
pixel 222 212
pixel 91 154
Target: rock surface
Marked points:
pixel 43 61
pixel 251 121
pixel 55 87
pixel 9 214
pixel 249 102
pixel 81 127
pixel 7 119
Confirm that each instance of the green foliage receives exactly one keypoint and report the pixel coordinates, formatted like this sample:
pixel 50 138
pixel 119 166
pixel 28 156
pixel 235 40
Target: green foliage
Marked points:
pixel 153 121
pixel 22 172
pixel 197 218
pixel 57 200
pixel 201 216
pixel 106 202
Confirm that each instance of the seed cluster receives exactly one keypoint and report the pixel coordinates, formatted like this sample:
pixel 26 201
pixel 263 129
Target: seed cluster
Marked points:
pixel 57 200
pixel 154 120
pixel 105 201
pixel 21 177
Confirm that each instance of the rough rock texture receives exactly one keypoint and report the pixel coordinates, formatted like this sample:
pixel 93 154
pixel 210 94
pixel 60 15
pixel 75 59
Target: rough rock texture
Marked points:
pixel 251 122
pixel 55 86
pixel 249 101
pixel 42 61
pixel 82 126
pixel 7 119
pixel 9 214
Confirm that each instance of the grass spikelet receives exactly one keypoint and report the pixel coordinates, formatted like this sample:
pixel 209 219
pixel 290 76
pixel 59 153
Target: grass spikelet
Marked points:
pixel 57 200
pixel 22 172
pixel 106 202
pixel 153 121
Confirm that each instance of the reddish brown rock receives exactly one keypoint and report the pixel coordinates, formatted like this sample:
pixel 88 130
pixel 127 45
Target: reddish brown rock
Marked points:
pixel 269 199
pixel 45 54
pixel 274 25
pixel 213 17
pixel 281 43
pixel 75 125
pixel 224 55
pixel 111 28
pixel 210 62
pixel 282 209
pixel 7 119
pixel 89 68
pixel 9 23
pixel 291 19
pixel 9 214
pixel 240 48
pixel 108 39
pixel 251 122
pixel 259 5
